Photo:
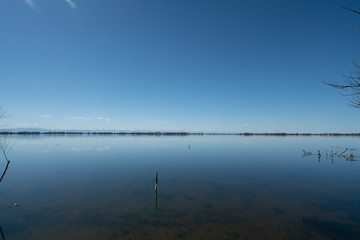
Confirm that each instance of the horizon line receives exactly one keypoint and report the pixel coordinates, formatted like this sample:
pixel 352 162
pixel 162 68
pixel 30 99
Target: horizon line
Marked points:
pixel 169 133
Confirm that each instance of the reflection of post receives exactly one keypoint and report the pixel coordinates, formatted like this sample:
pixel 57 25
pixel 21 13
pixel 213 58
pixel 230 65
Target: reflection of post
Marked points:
pixel 2 234
pixel 156 201
pixel 156 185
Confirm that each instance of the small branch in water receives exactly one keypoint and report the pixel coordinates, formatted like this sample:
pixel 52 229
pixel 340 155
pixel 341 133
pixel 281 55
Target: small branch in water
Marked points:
pixel 326 153
pixel 306 153
pixel 346 154
pixel 341 154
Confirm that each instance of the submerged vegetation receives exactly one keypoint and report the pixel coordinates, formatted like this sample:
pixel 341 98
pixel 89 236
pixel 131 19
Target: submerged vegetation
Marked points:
pixel 335 153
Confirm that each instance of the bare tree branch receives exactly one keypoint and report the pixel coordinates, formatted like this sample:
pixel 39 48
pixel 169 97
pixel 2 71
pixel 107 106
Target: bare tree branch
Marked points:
pixel 2 112
pixel 350 83
pixel 350 9
pixel 4 147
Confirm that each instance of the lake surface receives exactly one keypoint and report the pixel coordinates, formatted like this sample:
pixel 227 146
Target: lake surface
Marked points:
pixel 210 187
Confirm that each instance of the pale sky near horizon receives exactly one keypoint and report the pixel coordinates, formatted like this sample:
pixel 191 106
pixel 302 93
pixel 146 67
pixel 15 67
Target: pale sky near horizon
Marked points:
pixel 220 66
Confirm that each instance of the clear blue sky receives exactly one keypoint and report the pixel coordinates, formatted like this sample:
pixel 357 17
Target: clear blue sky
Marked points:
pixel 225 65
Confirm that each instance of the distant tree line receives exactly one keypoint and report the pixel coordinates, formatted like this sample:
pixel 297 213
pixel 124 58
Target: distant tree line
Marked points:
pixel 174 133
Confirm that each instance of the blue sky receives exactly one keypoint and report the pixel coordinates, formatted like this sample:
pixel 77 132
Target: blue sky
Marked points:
pixel 228 66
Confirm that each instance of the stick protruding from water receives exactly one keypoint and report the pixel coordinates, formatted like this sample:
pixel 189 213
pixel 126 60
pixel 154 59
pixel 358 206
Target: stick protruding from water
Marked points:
pixel 156 185
pixel 156 182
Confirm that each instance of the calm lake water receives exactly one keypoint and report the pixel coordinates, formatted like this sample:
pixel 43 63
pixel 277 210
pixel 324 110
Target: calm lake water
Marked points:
pixel 210 187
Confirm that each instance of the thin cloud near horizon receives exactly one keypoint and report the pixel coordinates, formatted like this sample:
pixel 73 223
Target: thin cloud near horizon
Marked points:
pixel 90 118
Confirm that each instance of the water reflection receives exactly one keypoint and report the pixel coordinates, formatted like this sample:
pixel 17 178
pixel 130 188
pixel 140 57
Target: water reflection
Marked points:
pixel 6 168
pixel 4 149
pixel 2 234
pixel 214 188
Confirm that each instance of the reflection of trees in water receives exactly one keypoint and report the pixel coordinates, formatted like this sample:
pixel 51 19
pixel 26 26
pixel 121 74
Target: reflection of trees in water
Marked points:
pixel 333 154
pixel 2 234
pixel 4 148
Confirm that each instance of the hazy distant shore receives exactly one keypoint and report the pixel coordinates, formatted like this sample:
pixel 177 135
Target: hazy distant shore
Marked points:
pixel 169 133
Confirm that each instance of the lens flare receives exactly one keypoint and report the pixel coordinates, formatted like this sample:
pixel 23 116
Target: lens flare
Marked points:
pixel 72 4
pixel 30 3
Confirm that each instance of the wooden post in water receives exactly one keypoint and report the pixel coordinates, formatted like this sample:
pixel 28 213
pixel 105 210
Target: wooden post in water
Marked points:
pixel 156 186
pixel 156 183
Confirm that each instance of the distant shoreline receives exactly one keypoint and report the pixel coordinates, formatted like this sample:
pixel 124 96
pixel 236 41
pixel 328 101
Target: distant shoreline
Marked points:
pixel 49 133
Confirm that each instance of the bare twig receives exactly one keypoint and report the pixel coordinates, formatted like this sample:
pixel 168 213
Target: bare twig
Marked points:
pixel 350 9
pixel 341 154
pixel 306 153
pixel 350 83
pixel 2 111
